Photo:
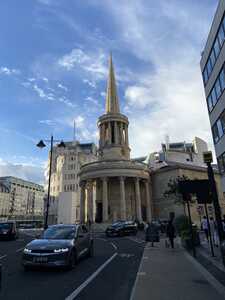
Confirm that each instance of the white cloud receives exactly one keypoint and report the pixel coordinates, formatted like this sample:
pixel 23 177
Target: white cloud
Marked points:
pixel 47 122
pixel 94 64
pixel 63 87
pixel 24 171
pixel 7 71
pixel 168 97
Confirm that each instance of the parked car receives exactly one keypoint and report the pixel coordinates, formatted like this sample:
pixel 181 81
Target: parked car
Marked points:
pixel 121 228
pixel 8 230
pixel 59 246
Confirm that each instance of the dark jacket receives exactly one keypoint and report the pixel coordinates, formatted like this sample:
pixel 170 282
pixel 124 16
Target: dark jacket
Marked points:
pixel 170 230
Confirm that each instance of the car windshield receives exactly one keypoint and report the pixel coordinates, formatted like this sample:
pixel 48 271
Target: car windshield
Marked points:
pixel 5 225
pixel 59 233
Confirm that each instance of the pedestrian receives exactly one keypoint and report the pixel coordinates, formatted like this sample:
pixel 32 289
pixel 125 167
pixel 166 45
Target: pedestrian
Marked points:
pixel 213 231
pixel 205 227
pixel 170 232
pixel 223 223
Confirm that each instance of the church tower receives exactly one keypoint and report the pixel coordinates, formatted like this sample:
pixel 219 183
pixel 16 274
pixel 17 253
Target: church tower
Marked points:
pixel 113 125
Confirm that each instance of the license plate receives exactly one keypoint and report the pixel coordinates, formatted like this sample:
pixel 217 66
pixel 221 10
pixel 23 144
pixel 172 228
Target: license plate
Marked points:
pixel 40 259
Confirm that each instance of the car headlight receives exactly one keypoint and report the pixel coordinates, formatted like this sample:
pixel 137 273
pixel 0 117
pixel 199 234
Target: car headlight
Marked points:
pixel 27 250
pixel 61 250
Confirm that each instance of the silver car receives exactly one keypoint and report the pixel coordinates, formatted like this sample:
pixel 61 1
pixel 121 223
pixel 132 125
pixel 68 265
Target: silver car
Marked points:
pixel 59 246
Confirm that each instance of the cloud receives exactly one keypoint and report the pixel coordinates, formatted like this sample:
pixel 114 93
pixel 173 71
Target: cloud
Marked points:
pixel 94 64
pixel 47 122
pixel 7 71
pixel 168 96
pixel 24 171
pixel 63 87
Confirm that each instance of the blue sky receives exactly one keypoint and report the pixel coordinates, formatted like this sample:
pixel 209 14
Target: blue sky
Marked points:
pixel 54 66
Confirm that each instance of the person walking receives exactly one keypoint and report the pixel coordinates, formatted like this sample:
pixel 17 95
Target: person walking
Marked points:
pixel 170 232
pixel 205 227
pixel 213 231
pixel 223 223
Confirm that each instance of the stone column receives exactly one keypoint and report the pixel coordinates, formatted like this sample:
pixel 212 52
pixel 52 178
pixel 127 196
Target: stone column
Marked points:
pixel 126 135
pixel 109 133
pixel 138 200
pixel 103 134
pixel 122 199
pixel 82 202
pixel 116 132
pixel 94 199
pixel 105 215
pixel 122 136
pixel 148 203
pixel 90 200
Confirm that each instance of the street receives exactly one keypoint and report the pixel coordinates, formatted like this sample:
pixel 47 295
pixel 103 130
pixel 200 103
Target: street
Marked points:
pixel 110 274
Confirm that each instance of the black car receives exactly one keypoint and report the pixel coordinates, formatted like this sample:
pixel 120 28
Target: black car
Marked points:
pixel 8 230
pixel 59 246
pixel 121 228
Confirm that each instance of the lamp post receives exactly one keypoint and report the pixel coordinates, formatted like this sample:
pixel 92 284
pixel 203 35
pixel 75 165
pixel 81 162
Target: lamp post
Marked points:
pixel 41 145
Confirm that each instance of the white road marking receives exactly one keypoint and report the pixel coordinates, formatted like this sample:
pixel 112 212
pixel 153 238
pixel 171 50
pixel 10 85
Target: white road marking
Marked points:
pixel 114 246
pixel 1 257
pixel 85 283
pixel 145 257
pixel 20 249
pixel 136 240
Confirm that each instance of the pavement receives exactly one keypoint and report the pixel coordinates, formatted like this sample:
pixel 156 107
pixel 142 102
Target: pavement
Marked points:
pixel 110 274
pixel 166 274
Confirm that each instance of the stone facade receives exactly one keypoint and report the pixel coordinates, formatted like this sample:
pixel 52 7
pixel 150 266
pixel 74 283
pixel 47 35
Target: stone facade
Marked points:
pixel 163 205
pixel 114 187
pixel 65 190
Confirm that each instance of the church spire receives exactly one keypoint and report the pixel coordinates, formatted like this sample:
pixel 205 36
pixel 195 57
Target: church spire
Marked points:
pixel 112 102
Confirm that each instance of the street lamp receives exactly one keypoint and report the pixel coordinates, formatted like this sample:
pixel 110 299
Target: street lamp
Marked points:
pixel 41 145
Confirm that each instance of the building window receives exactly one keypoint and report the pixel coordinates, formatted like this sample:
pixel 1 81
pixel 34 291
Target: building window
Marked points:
pixel 216 48
pixel 217 90
pixel 221 163
pixel 218 128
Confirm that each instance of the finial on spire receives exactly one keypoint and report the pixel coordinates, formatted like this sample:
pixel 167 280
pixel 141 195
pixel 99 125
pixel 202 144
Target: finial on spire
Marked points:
pixel 112 102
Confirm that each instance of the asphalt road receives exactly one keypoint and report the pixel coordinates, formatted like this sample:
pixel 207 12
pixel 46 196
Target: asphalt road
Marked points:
pixel 110 274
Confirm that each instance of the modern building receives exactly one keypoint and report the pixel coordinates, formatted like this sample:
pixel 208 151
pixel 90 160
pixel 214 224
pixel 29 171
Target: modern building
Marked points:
pixel 180 152
pixel 114 187
pixel 64 187
pixel 4 201
pixel 26 199
pixel 213 74
pixel 163 205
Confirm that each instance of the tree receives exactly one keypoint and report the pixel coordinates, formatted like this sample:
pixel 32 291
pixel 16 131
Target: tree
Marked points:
pixel 173 190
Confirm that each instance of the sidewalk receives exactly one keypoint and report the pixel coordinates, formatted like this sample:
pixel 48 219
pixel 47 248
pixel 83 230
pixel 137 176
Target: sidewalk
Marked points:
pixel 172 274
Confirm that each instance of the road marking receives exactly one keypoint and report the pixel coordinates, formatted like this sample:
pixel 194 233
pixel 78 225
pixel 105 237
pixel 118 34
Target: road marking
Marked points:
pixel 20 249
pixel 114 246
pixel 145 257
pixel 127 255
pixel 136 240
pixel 1 257
pixel 84 284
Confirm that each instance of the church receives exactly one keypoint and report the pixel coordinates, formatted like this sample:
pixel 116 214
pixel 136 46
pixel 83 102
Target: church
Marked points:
pixel 114 187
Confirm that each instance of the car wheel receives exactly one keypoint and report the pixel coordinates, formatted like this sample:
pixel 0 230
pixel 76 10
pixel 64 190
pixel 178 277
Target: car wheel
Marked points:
pixel 91 250
pixel 72 260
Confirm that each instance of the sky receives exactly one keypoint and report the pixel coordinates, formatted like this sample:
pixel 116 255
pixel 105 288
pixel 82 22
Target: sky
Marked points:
pixel 54 67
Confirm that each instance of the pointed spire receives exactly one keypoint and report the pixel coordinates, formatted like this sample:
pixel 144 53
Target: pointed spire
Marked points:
pixel 112 102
